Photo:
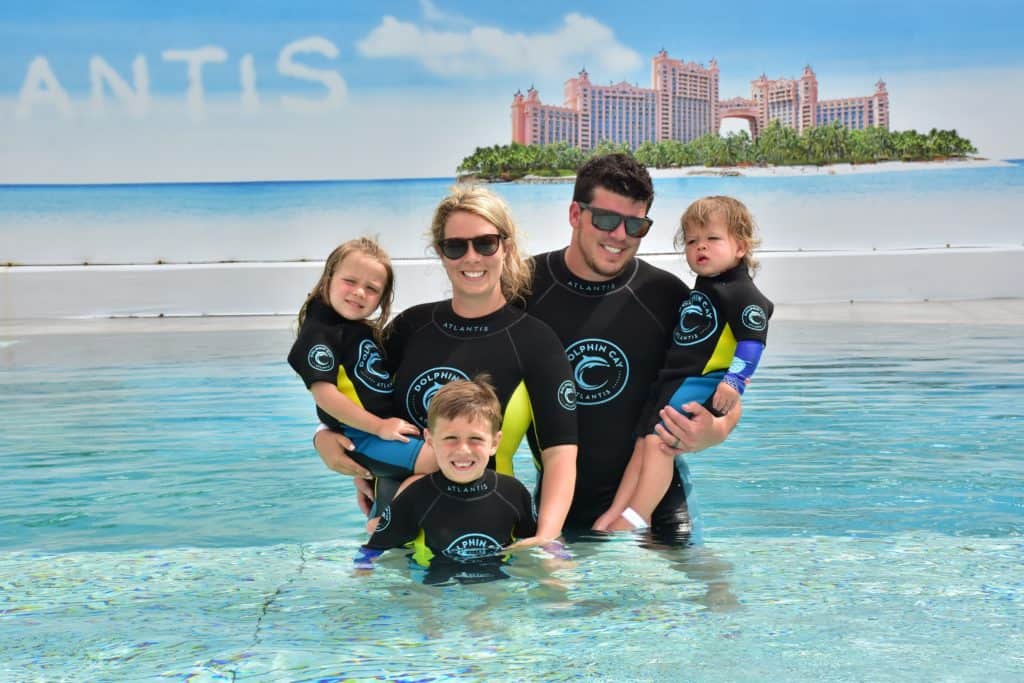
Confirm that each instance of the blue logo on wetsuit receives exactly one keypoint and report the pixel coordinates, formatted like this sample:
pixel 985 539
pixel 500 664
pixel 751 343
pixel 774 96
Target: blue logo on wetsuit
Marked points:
pixel 385 520
pixel 698 320
pixel 369 369
pixel 423 388
pixel 320 358
pixel 753 318
pixel 600 370
pixel 567 395
pixel 471 546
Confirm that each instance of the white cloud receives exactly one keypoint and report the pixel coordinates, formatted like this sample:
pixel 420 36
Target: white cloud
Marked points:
pixel 484 52
pixel 368 136
pixel 435 15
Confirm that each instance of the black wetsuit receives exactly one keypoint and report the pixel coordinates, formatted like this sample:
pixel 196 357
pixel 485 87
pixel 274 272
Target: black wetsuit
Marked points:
pixel 429 345
pixel 342 352
pixel 616 334
pixel 718 313
pixel 451 523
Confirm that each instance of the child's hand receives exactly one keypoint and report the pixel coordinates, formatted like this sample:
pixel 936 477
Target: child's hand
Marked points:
pixel 395 429
pixel 725 398
pixel 604 521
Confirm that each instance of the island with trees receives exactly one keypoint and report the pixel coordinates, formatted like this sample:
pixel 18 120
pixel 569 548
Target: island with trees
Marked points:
pixel 776 146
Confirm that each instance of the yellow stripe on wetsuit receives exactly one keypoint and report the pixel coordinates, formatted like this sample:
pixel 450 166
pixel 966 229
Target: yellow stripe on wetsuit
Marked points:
pixel 725 349
pixel 346 387
pixel 516 420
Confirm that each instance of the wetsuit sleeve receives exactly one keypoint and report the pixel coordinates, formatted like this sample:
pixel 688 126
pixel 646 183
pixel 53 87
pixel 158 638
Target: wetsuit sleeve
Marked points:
pixel 749 314
pixel 548 379
pixel 400 521
pixel 748 354
pixel 317 353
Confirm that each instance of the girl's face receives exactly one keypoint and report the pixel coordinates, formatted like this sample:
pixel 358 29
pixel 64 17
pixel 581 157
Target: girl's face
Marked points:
pixel 473 275
pixel 711 249
pixel 356 286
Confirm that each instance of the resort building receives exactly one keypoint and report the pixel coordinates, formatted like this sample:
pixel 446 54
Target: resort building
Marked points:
pixel 682 104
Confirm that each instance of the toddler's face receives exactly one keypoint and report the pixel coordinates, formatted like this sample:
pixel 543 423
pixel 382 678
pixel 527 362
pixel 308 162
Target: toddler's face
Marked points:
pixel 711 249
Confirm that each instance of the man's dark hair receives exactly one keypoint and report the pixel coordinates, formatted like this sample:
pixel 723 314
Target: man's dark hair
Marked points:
pixel 619 173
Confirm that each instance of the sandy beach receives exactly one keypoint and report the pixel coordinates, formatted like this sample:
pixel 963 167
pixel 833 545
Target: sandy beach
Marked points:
pixel 834 169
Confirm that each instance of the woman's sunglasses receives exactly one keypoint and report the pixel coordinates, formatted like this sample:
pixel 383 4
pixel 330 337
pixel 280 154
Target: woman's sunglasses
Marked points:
pixel 603 219
pixel 456 247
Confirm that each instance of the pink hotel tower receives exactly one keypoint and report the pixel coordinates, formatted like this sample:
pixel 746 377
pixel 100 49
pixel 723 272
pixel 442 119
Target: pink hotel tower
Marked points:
pixel 682 104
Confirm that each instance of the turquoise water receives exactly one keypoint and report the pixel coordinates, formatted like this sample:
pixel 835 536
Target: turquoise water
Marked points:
pixel 285 221
pixel 164 517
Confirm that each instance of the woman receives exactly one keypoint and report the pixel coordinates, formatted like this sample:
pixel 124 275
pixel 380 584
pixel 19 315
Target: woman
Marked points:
pixel 480 330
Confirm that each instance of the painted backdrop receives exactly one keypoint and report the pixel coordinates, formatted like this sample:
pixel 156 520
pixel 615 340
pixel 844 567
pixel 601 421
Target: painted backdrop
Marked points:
pixel 107 91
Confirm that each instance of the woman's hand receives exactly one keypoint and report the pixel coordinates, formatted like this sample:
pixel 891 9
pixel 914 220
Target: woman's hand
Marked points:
pixel 331 447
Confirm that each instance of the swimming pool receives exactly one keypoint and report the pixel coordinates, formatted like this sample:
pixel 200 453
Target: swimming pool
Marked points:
pixel 164 517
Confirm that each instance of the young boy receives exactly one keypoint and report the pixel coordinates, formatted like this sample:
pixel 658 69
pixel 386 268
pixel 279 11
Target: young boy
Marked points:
pixel 716 346
pixel 465 511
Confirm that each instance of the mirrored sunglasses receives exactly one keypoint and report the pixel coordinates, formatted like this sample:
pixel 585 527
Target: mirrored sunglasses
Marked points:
pixel 603 219
pixel 456 247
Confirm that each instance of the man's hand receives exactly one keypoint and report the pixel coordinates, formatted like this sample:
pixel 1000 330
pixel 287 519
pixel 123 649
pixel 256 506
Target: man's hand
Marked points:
pixel 682 434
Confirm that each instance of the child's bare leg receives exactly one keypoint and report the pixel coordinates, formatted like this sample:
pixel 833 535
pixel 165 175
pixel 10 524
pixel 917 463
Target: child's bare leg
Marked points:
pixel 655 478
pixel 627 486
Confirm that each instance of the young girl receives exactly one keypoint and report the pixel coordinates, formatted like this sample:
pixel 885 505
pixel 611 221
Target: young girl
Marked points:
pixel 715 347
pixel 337 354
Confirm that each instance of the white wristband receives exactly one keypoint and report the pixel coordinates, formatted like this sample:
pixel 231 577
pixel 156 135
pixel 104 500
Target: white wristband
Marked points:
pixel 634 518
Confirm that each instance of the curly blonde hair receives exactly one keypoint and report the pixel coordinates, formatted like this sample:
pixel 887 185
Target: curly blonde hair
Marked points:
pixel 736 215
pixel 516 271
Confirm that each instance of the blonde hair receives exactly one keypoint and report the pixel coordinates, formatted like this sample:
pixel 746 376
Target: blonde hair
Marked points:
pixel 516 271
pixel 368 247
pixel 471 399
pixel 737 217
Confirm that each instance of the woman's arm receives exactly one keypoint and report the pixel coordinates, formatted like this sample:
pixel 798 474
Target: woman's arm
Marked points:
pixel 557 489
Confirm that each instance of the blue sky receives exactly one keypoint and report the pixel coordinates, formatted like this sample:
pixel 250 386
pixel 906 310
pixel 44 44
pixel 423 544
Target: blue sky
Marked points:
pixel 426 55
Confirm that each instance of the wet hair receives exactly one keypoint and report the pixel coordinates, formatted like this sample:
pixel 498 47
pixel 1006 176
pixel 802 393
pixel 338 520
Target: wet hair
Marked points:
pixel 737 217
pixel 516 271
pixel 471 399
pixel 619 173
pixel 368 247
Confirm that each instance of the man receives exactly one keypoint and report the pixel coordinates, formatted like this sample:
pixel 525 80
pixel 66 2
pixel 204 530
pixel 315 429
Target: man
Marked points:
pixel 615 314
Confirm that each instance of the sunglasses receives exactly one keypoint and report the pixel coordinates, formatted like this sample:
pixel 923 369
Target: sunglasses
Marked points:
pixel 456 247
pixel 603 219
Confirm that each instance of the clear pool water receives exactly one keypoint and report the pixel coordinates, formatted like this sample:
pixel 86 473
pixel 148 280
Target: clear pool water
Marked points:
pixel 163 517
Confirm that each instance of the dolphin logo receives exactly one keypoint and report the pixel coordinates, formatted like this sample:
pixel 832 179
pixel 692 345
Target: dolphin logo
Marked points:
pixel 607 365
pixel 320 358
pixel 754 318
pixel 587 362
pixel 372 363
pixel 429 394
pixel 688 310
